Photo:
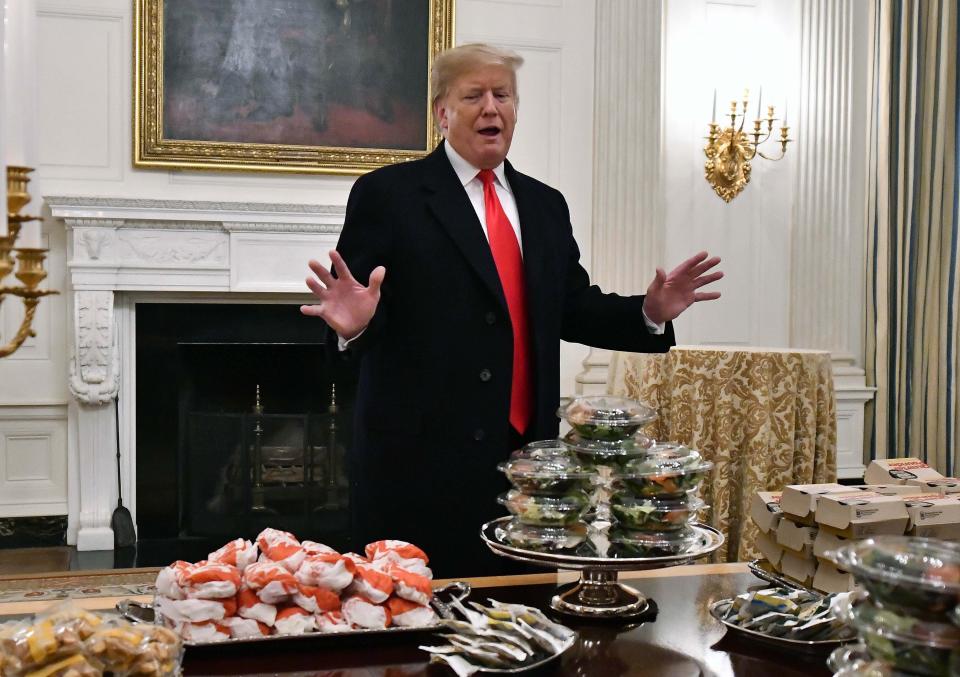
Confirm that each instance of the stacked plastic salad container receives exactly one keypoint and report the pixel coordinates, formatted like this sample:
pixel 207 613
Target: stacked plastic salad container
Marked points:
pixel 906 613
pixel 604 478
pixel 550 496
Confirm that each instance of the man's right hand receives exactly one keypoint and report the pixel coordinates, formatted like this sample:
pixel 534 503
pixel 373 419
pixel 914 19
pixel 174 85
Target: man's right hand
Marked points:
pixel 345 304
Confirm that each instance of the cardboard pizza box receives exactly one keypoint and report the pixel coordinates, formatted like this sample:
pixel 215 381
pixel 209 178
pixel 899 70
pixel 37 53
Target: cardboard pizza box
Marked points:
pixel 857 514
pixel 898 471
pixel 799 568
pixel 770 549
pixel 797 538
pixel 934 516
pixel 765 510
pixel 799 501
pixel 831 579
pixel 944 485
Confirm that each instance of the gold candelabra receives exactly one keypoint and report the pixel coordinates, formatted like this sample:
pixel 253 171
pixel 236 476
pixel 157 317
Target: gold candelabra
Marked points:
pixel 29 264
pixel 729 151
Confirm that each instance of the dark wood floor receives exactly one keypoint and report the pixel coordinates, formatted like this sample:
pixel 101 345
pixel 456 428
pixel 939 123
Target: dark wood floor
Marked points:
pixel 35 560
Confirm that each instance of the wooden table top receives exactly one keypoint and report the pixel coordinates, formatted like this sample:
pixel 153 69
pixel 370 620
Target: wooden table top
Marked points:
pixel 681 639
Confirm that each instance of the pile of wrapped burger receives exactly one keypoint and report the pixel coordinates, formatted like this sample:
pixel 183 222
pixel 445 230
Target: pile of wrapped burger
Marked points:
pixel 281 586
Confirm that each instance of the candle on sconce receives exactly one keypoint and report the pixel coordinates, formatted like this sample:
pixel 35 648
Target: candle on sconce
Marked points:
pixel 759 102
pixel 713 118
pixel 30 236
pixel 786 105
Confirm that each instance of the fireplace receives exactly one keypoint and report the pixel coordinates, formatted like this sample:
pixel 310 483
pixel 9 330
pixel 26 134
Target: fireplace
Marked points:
pixel 243 421
pixel 162 370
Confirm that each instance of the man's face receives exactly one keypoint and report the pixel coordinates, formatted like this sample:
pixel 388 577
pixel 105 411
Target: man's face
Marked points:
pixel 478 114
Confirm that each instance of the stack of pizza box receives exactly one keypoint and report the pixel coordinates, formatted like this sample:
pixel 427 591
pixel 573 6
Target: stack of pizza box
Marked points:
pixel 802 523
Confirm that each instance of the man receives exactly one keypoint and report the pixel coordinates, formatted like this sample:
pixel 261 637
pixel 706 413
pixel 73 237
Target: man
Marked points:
pixel 456 279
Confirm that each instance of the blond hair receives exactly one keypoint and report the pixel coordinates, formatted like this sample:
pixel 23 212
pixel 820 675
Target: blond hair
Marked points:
pixel 453 63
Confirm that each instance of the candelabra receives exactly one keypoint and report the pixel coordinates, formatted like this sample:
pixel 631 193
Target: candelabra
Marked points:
pixel 730 150
pixel 30 270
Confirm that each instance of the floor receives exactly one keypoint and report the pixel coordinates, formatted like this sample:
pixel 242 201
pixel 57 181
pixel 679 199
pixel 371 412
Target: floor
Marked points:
pixel 17 561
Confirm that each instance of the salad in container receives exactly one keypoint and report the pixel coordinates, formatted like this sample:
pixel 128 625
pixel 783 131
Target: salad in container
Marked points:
pixel 604 417
pixel 666 471
pixel 546 511
pixel 907 644
pixel 654 514
pixel 543 539
pixel 607 452
pixel 631 543
pixel 918 577
pixel 547 468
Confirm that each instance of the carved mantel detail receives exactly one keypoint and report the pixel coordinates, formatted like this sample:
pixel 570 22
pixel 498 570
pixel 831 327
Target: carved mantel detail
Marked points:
pixel 95 367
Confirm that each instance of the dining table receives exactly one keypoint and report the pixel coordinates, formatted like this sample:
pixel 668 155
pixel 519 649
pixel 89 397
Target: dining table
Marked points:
pixel 678 637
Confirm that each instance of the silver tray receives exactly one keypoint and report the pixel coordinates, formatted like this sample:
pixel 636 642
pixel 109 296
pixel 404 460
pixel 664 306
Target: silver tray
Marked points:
pixel 812 646
pixel 139 612
pixel 598 594
pixel 709 540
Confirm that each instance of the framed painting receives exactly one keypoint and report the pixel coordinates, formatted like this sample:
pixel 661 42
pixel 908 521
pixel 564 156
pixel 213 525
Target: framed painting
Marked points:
pixel 329 86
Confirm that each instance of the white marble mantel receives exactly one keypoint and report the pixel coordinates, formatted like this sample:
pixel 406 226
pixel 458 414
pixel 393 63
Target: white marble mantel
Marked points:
pixel 118 248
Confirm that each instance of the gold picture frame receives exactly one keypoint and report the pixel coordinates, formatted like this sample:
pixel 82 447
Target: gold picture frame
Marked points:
pixel 261 86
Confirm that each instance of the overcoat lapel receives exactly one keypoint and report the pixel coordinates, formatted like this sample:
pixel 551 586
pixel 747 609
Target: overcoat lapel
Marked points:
pixel 451 206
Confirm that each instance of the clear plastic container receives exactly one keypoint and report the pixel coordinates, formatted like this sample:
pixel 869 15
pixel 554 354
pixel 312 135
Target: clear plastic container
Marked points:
pixel 666 471
pixel 853 660
pixel 630 543
pixel 653 514
pixel 546 511
pixel 905 643
pixel 543 539
pixel 918 577
pixel 607 452
pixel 603 417
pixel 545 469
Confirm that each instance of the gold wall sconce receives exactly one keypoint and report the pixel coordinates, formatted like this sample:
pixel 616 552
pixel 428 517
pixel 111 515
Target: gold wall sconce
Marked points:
pixel 730 150
pixel 29 263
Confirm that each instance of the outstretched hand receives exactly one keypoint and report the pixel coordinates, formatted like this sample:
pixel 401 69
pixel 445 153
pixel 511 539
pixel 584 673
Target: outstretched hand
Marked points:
pixel 345 304
pixel 669 295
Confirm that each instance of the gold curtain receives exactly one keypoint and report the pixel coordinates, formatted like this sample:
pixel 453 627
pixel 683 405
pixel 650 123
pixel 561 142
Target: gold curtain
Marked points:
pixel 911 325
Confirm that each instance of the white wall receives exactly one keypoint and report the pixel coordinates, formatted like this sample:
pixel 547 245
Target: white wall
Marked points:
pixel 730 46
pixel 69 72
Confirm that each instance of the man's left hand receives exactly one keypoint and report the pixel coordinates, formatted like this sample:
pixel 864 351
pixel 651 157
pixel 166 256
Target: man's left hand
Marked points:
pixel 670 294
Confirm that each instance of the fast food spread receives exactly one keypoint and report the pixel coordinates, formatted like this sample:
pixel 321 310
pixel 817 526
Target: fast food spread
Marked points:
pixel 278 585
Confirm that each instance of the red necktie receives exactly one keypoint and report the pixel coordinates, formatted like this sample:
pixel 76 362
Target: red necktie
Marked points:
pixel 506 254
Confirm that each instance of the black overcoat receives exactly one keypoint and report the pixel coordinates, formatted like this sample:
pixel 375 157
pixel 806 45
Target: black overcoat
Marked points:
pixel 433 398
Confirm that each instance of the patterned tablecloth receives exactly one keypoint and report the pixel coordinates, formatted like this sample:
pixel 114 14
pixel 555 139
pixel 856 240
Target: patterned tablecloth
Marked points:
pixel 765 417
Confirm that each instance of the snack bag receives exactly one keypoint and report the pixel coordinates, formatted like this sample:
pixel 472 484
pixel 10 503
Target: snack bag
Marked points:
pixel 55 636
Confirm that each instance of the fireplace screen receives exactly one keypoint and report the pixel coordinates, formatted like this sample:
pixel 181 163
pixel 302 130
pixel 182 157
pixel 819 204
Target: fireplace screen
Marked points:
pixel 251 470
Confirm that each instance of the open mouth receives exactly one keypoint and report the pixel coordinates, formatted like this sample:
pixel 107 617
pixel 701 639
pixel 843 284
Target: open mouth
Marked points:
pixel 489 131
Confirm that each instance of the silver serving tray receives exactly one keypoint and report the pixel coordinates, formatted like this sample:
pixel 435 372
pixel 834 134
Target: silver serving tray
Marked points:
pixel 811 646
pixel 139 612
pixel 492 534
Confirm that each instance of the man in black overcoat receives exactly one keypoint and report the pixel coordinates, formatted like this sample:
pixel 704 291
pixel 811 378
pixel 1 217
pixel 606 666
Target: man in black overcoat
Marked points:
pixel 454 287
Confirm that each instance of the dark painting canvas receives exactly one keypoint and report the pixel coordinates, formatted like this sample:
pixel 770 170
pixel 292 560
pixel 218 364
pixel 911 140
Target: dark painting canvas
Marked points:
pixel 343 73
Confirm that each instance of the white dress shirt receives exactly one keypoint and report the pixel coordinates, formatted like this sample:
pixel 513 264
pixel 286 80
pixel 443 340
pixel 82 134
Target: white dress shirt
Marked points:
pixel 473 186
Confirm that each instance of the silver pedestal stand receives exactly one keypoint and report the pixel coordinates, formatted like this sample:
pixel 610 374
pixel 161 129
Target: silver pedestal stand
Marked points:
pixel 599 594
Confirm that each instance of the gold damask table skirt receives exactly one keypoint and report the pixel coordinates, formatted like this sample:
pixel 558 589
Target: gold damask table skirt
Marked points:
pixel 765 417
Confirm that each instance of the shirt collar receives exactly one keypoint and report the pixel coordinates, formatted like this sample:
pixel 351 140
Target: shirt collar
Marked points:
pixel 467 172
